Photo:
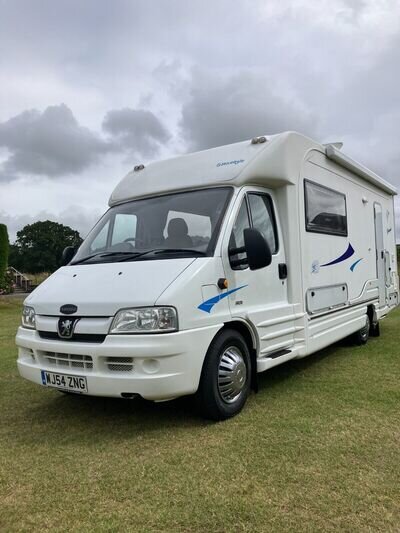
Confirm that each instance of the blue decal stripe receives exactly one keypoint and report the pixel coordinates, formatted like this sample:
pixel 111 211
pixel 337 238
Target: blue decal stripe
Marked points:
pixel 348 253
pixel 209 304
pixel 353 266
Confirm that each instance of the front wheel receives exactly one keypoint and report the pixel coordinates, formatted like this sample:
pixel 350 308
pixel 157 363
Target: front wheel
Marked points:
pixel 225 378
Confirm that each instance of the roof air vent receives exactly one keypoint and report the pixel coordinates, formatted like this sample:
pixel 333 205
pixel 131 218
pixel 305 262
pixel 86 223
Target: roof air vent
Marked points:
pixel 138 167
pixel 258 140
pixel 337 145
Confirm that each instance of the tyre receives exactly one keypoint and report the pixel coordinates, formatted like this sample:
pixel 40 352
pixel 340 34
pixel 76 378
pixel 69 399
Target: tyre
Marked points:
pixel 225 378
pixel 362 335
pixel 375 330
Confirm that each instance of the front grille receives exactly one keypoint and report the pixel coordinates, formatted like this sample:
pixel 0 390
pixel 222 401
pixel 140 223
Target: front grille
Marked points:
pixel 76 337
pixel 65 360
pixel 119 364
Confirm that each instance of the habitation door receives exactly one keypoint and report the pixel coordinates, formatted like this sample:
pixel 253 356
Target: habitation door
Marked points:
pixel 260 296
pixel 380 254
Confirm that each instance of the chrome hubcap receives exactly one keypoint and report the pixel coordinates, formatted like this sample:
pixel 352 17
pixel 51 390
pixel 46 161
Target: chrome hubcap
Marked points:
pixel 232 374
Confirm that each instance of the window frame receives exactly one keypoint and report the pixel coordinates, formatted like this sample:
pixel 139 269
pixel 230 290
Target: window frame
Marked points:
pixel 322 230
pixel 273 216
pixel 245 200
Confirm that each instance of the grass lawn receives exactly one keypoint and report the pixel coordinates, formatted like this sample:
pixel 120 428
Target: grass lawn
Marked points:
pixel 317 449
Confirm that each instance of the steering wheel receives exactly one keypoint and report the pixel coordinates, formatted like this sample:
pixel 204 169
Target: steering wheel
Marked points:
pixel 134 240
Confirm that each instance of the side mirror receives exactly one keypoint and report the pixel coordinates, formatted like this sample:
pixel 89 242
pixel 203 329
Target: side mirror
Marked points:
pixel 257 249
pixel 67 255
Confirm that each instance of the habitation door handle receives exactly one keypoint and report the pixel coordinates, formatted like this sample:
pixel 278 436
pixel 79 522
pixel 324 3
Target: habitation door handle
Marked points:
pixel 282 267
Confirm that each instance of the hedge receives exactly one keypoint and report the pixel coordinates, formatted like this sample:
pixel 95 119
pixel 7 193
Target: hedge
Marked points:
pixel 4 247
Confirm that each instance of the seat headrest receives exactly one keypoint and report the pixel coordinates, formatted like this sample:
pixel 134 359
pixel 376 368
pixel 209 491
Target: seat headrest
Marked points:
pixel 177 227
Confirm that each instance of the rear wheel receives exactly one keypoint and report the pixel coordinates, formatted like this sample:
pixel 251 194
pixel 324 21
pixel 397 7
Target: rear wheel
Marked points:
pixel 362 335
pixel 225 378
pixel 375 329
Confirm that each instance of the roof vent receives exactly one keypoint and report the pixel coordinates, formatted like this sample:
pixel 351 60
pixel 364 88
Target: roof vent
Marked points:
pixel 337 145
pixel 138 167
pixel 258 140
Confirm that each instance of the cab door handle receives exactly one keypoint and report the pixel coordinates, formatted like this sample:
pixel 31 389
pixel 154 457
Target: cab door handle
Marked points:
pixel 282 268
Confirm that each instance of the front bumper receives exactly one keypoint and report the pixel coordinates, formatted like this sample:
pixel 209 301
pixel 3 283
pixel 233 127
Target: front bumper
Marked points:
pixel 164 366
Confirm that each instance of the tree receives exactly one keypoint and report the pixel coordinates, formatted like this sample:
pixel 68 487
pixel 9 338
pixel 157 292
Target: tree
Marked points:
pixel 3 253
pixel 39 246
pixel 15 257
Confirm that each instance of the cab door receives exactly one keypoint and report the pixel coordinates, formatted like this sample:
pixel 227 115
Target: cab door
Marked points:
pixel 259 296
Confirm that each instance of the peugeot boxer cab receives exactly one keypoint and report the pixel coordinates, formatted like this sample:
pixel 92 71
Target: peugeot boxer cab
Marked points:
pixel 214 266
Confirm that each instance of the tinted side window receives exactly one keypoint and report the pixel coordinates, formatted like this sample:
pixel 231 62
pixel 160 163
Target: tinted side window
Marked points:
pixel 263 219
pixel 236 240
pixel 100 242
pixel 124 228
pixel 325 210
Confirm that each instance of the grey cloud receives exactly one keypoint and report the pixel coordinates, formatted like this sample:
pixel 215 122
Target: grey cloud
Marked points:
pixel 135 131
pixel 76 217
pixel 241 106
pixel 328 69
pixel 366 114
pixel 50 143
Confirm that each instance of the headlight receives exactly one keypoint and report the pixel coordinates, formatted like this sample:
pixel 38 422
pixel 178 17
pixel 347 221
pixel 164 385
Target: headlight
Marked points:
pixel 28 317
pixel 145 320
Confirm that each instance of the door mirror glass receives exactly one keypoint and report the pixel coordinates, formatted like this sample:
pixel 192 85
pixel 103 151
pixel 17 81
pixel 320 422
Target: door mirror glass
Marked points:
pixel 257 249
pixel 67 255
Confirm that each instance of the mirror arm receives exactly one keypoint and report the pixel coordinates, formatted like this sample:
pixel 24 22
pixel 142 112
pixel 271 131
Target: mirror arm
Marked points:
pixel 238 262
pixel 235 251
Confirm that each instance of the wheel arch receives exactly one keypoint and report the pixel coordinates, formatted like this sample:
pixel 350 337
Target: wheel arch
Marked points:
pixel 371 312
pixel 250 336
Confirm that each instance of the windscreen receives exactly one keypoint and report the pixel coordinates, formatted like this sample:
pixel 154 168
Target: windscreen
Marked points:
pixel 185 223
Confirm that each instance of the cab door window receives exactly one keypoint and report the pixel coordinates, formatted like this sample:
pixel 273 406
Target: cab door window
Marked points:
pixel 262 218
pixel 236 240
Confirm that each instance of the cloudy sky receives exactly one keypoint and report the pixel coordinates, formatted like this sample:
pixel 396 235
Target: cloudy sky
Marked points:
pixel 90 88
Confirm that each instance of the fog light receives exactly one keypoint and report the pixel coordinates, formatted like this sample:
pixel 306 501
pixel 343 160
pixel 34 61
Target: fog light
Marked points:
pixel 151 366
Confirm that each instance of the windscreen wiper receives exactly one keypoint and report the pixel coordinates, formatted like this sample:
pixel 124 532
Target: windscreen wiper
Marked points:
pixel 136 255
pixel 108 254
pixel 157 251
pixel 180 250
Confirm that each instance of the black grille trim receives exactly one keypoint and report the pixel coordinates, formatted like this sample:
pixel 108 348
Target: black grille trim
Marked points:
pixel 76 337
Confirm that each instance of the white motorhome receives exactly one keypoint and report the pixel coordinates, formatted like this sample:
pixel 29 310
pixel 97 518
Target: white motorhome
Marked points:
pixel 211 267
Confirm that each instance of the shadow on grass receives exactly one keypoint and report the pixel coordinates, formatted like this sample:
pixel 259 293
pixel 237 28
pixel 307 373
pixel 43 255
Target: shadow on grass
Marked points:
pixel 278 374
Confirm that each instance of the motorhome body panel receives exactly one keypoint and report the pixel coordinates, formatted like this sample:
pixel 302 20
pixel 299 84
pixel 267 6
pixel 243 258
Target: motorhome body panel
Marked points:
pixel 351 259
pixel 348 270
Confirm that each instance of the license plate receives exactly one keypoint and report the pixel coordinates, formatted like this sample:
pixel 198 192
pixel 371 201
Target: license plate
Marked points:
pixel 64 381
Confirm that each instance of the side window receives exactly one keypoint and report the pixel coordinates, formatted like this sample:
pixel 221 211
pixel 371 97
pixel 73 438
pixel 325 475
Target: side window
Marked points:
pixel 263 219
pixel 236 240
pixel 325 210
pixel 124 228
pixel 100 242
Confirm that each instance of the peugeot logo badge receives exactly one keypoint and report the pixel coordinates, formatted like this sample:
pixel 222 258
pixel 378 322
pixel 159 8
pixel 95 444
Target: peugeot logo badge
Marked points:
pixel 66 327
pixel 68 309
